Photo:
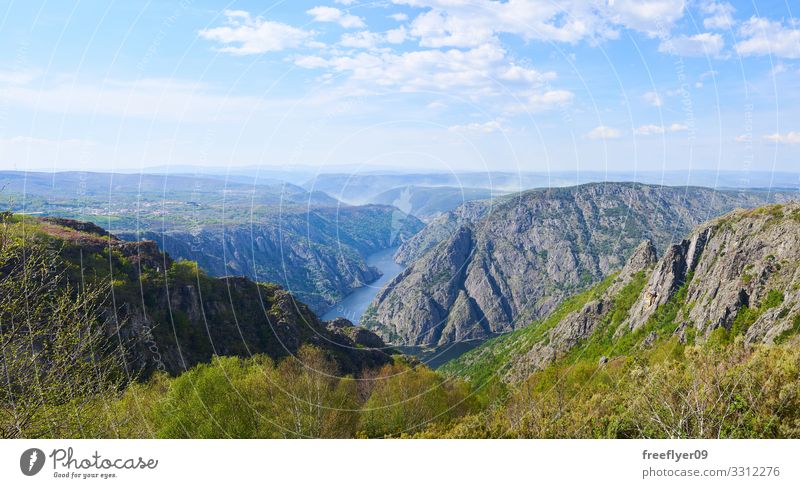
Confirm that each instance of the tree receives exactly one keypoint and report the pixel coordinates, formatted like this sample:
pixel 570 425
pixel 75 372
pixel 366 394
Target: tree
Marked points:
pixel 55 358
pixel 406 399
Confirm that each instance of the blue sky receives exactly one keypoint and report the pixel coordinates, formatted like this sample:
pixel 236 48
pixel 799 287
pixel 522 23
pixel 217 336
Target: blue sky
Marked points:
pixel 427 84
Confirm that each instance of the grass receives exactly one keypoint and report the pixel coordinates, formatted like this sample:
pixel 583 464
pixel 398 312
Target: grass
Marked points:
pixel 791 331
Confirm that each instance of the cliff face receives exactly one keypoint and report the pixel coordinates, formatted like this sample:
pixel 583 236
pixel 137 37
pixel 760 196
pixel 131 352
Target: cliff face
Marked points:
pixel 527 254
pixel 735 276
pixel 440 229
pixel 171 315
pixel 318 254
pixel 741 271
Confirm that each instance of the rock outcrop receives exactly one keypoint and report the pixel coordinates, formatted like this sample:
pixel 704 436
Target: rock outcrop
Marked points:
pixel 678 264
pixel 745 266
pixel 736 277
pixel 523 257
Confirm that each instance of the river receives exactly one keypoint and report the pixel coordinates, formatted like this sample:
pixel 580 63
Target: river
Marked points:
pixel 352 306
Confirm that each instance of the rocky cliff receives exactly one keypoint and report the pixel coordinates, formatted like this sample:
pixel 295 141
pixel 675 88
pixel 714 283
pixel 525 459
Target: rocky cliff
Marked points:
pixel 740 272
pixel 171 315
pixel 318 254
pixel 440 229
pixel 523 257
pixel 737 276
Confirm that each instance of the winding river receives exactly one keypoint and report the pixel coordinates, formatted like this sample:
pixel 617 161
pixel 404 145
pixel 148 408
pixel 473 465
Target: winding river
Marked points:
pixel 353 305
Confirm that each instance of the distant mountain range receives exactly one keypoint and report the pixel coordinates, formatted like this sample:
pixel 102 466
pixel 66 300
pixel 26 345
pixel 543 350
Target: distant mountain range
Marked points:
pixel 426 202
pixel 361 187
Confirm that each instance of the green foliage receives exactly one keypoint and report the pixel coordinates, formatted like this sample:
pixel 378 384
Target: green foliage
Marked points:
pixel 747 316
pixel 602 342
pixel 665 392
pixel 773 299
pixel 55 357
pixel 790 332
pixel 299 397
pixel 744 319
pixel 185 271
pixel 406 399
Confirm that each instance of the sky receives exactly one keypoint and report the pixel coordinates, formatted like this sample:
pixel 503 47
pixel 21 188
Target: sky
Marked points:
pixel 435 85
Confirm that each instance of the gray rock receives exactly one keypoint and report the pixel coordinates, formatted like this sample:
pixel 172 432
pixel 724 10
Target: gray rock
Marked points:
pixel 318 254
pixel 526 255
pixel 670 274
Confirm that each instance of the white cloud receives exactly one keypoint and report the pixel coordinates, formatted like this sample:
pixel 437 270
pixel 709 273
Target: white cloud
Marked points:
pixel 744 138
pixel 647 130
pixel 345 2
pixel 361 39
pixel 777 69
pixel 604 132
pixel 164 99
pixel 787 138
pixel 650 129
pixel 704 44
pixel 371 40
pixel 437 28
pixel 468 23
pixel 331 14
pixel 538 102
pixel 653 98
pixel 653 17
pixel 244 34
pixel 485 128
pixel 766 37
pixel 396 36
pixel 436 105
pixel 720 15
pixel 400 17
pixel 17 77
pixel 481 71
pixel 311 62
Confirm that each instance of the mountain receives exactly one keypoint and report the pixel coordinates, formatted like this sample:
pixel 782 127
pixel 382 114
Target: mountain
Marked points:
pixel 518 262
pixel 111 191
pixel 737 276
pixel 441 228
pixel 427 202
pixel 170 315
pixel 308 242
pixel 357 188
pixel 319 254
